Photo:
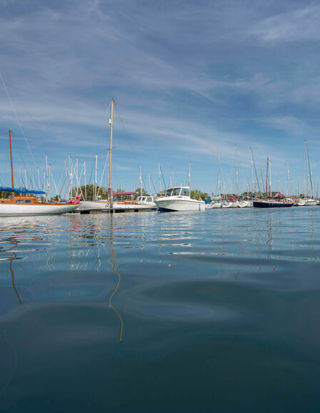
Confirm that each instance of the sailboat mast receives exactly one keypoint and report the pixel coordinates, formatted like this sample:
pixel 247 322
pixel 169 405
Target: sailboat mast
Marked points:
pixel 11 162
pixel 140 179
pixel 267 177
pixel 307 168
pixel 110 152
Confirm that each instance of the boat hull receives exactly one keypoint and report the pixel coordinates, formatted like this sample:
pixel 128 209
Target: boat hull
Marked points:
pixel 179 204
pixel 271 204
pixel 93 205
pixel 11 210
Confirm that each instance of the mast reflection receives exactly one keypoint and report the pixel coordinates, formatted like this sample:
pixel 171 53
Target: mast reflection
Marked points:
pixel 14 242
pixel 116 288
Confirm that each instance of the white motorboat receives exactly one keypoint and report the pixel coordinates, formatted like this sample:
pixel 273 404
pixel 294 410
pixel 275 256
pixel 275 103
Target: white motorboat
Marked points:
pixel 146 202
pixel 178 199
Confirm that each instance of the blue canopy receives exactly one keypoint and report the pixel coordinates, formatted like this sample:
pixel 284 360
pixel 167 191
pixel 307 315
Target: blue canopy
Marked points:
pixel 21 191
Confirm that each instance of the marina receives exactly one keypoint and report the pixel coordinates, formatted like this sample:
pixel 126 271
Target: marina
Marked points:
pixel 159 206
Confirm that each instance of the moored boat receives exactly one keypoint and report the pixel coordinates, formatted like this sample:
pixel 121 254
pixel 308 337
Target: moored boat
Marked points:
pixel 27 203
pixel 278 201
pixel 178 199
pixel 272 203
pixel 30 205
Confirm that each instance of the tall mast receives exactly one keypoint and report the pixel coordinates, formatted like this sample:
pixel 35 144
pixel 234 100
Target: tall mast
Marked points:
pixel 171 180
pixel 307 168
pixel 95 179
pixel 110 153
pixel 267 178
pixel 269 187
pixel 11 162
pixel 219 177
pixel 85 179
pixel 288 173
pixel 159 172
pixel 140 179
pixel 47 175
pixel 150 188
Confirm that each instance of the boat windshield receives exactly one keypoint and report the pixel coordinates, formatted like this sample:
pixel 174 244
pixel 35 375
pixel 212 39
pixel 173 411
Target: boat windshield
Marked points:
pixel 176 191
pixel 169 192
pixel 185 192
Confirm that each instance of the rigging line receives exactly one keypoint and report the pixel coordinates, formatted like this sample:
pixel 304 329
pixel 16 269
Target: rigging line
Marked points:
pixel 59 195
pixel 54 183
pixel 154 188
pixel 92 169
pixel 310 172
pixel 256 174
pixel 162 177
pixel 79 183
pixel 16 116
pixel 103 171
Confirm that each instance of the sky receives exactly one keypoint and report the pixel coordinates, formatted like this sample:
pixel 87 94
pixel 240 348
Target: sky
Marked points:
pixel 197 82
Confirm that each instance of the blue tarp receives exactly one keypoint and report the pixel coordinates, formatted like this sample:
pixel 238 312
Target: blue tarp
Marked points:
pixel 21 191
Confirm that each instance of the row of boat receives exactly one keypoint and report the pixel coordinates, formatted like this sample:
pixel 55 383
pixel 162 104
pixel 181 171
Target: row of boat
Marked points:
pixel 173 199
pixel 27 202
pixel 263 203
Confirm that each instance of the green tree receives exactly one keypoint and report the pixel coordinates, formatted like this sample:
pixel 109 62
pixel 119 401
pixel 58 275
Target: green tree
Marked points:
pixel 196 194
pixel 144 192
pixel 90 191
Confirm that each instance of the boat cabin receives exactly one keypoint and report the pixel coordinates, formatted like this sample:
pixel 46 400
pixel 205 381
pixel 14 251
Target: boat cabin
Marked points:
pixel 144 199
pixel 178 191
pixel 20 200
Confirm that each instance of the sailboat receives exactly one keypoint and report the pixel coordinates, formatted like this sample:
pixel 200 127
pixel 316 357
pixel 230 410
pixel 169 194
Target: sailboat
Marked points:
pixel 277 202
pixel 308 199
pixel 26 203
pixel 102 204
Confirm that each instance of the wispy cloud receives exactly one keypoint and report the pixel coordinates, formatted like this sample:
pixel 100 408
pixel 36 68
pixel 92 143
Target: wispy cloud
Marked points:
pixel 190 79
pixel 294 25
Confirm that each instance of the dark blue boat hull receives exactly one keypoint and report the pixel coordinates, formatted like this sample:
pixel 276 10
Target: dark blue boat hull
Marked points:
pixel 264 204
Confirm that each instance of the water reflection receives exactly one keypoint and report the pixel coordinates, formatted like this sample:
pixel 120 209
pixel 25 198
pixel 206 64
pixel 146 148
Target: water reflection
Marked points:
pixel 70 254
pixel 116 288
pixel 199 299
pixel 14 242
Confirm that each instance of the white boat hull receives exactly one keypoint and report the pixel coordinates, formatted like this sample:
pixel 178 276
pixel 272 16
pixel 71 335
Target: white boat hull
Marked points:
pixel 104 206
pixel 10 210
pixel 93 205
pixel 179 204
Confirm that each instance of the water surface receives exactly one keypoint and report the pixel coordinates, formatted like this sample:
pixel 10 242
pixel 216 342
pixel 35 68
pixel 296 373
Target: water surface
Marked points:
pixel 149 312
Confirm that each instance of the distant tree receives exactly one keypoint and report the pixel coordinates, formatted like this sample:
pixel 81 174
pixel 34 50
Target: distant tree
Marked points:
pixel 196 194
pixel 90 191
pixel 144 192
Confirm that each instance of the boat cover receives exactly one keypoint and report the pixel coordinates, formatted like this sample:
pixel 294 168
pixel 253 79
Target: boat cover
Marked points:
pixel 21 190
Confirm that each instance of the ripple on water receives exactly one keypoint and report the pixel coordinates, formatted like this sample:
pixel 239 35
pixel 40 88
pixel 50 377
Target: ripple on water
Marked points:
pixel 191 308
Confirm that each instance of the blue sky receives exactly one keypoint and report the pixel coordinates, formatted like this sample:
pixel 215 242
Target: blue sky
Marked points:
pixel 192 80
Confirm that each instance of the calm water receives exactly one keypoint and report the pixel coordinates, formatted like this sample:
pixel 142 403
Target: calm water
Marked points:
pixel 198 312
